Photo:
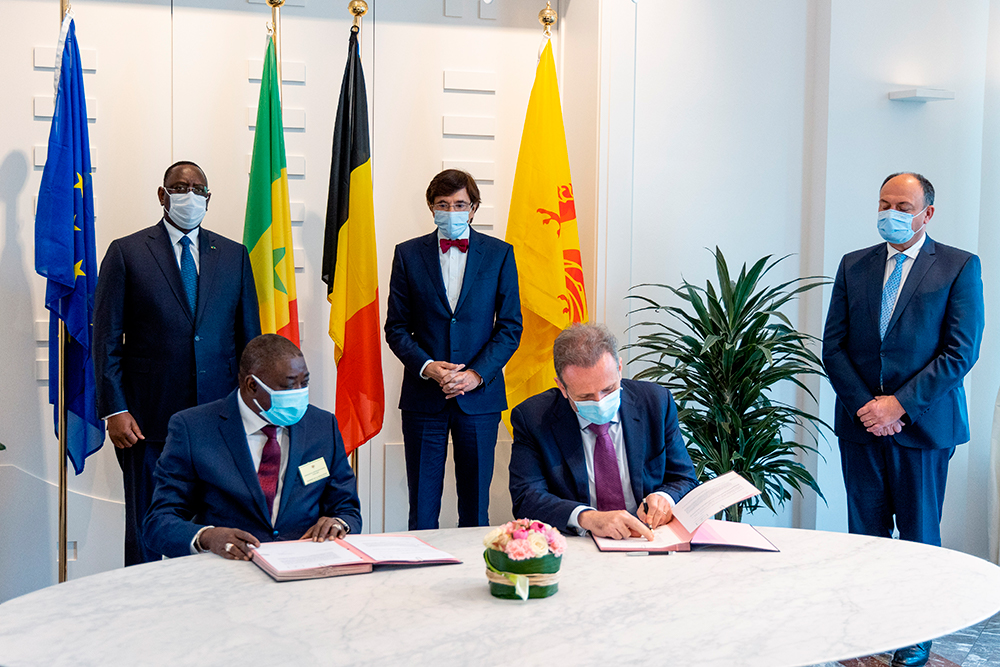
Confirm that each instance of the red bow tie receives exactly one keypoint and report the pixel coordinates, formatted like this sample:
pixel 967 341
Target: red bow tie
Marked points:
pixel 461 244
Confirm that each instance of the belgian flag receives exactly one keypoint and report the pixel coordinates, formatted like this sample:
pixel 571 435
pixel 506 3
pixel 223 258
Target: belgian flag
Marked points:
pixel 267 230
pixel 350 270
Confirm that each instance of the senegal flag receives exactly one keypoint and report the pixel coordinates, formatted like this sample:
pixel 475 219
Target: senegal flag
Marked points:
pixel 542 228
pixel 267 231
pixel 350 270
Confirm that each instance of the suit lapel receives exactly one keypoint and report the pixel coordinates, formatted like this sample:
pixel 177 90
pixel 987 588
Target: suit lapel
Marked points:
pixel 925 258
pixel 634 436
pixel 296 445
pixel 233 433
pixel 208 261
pixel 473 260
pixel 430 251
pixel 875 271
pixel 159 246
pixel 565 428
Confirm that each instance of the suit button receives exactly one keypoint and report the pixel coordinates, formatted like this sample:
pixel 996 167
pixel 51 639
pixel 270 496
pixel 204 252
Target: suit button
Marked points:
pixel 453 320
pixel 197 338
pixel 274 534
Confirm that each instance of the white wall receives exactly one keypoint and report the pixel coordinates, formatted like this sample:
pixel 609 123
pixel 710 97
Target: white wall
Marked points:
pixel 762 127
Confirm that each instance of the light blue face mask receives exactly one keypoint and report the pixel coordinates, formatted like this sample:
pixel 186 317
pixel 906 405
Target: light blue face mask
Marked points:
pixel 287 406
pixel 895 226
pixel 602 411
pixel 452 223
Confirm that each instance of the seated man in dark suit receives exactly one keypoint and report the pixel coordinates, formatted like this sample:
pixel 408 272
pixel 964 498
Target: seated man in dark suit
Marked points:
pixel 260 464
pixel 599 451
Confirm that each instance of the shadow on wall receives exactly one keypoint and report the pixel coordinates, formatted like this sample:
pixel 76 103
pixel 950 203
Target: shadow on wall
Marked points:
pixel 27 552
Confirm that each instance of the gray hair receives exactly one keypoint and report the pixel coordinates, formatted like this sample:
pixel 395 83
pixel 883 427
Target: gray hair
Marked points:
pixel 583 345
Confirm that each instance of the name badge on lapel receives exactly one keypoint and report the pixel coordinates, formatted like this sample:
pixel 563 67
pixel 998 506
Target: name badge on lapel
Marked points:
pixel 313 471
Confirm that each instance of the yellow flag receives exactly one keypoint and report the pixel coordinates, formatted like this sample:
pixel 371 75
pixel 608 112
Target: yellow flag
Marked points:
pixel 542 228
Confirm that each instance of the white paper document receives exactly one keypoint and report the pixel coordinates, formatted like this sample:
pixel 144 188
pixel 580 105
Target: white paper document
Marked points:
pixel 396 548
pixel 289 556
pixel 710 498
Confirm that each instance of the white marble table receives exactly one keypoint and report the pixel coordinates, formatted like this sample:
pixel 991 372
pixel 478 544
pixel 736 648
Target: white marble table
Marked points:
pixel 825 596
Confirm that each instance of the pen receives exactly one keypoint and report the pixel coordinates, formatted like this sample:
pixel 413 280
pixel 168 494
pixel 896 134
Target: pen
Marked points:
pixel 645 510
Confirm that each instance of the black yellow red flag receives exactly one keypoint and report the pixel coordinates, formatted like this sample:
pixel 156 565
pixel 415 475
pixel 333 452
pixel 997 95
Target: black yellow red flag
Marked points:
pixel 350 270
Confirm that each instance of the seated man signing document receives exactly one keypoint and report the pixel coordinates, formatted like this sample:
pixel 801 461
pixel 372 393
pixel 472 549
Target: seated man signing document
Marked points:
pixel 259 465
pixel 600 453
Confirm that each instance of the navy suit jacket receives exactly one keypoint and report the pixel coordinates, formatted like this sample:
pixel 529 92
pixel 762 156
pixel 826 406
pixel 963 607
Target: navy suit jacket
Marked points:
pixel 150 356
pixel 548 472
pixel 206 477
pixel 483 332
pixel 931 343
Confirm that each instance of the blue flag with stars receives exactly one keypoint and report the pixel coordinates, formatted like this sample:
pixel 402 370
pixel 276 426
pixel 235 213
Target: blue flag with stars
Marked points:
pixel 65 252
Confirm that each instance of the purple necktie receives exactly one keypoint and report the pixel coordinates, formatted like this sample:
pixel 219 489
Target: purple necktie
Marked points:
pixel 607 477
pixel 270 464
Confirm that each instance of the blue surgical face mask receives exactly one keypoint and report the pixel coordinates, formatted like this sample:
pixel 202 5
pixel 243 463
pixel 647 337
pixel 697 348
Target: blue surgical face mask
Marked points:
pixel 602 411
pixel 452 223
pixel 287 406
pixel 895 226
pixel 187 210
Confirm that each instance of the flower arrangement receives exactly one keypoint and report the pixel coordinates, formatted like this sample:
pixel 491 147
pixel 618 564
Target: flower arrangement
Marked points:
pixel 523 558
pixel 523 539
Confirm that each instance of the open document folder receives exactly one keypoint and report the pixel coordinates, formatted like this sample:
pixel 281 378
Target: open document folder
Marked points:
pixel 354 554
pixel 692 523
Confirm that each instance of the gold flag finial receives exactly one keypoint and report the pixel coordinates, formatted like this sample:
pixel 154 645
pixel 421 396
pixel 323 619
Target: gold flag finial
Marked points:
pixel 547 17
pixel 358 8
pixel 275 3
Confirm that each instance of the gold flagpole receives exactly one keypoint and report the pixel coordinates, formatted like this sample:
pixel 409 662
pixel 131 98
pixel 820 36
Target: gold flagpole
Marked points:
pixel 64 8
pixel 276 24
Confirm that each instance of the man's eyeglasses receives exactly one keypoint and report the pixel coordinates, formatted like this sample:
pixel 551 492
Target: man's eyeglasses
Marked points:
pixel 200 190
pixel 457 206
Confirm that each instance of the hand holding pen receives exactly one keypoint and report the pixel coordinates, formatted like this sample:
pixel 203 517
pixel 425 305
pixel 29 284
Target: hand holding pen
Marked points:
pixel 656 511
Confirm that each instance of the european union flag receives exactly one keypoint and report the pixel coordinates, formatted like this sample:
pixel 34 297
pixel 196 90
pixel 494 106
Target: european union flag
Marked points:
pixel 65 253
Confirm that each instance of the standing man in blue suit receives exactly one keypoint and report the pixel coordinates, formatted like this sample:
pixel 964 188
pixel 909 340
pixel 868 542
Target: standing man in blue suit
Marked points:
pixel 903 329
pixel 600 453
pixel 174 308
pixel 454 320
pixel 257 466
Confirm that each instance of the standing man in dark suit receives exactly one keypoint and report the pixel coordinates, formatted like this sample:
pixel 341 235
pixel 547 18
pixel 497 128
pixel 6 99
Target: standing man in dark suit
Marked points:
pixel 903 329
pixel 600 453
pixel 454 320
pixel 174 308
pixel 260 465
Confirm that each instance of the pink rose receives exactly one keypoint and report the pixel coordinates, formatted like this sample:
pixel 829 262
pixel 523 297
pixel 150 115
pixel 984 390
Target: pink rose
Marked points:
pixel 520 534
pixel 538 527
pixel 519 549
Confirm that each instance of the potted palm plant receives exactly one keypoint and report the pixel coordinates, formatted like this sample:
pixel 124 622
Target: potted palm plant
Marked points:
pixel 722 352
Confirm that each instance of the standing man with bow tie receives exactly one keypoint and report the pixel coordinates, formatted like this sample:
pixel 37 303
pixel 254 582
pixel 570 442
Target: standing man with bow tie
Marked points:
pixel 454 320
pixel 175 306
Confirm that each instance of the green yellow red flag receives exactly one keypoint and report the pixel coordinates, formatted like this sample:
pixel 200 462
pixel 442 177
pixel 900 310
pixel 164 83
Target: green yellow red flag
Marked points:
pixel 267 230
pixel 542 228
pixel 350 269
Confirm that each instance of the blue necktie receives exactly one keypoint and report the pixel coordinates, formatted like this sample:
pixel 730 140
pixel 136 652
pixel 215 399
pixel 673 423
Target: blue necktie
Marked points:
pixel 889 295
pixel 189 274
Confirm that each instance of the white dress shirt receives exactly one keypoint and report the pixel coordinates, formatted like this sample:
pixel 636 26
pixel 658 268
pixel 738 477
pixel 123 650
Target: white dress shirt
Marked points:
pixel 890 264
pixel 175 243
pixel 252 425
pixel 453 273
pixel 589 443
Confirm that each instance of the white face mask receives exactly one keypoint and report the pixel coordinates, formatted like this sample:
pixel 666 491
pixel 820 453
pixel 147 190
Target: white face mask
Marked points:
pixel 187 210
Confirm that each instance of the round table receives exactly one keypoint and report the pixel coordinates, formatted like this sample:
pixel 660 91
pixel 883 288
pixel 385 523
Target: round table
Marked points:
pixel 823 597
